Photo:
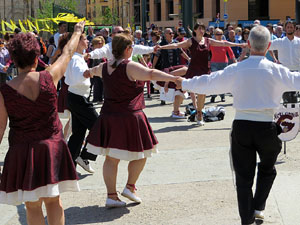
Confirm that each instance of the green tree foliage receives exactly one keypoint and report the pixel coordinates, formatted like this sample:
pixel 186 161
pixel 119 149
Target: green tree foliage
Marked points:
pixel 109 17
pixel 46 7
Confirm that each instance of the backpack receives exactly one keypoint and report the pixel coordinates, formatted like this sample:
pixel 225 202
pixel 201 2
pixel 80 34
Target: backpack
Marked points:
pixel 213 113
pixel 209 114
pixel 191 111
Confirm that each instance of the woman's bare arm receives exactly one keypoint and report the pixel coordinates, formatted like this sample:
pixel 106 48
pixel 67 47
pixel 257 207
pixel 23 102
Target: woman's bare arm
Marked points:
pixel 184 44
pixel 136 71
pixel 179 72
pixel 214 42
pixel 58 69
pixel 95 71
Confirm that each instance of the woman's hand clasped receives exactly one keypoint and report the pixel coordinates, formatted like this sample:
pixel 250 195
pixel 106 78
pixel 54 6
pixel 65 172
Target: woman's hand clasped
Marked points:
pixel 87 74
pixel 178 82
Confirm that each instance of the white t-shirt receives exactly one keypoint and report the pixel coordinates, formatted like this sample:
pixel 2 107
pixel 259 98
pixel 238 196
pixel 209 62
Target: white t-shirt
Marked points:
pixel 288 52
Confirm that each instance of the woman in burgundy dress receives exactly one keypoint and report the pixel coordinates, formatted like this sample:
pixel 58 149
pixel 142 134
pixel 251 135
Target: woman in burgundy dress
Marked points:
pixel 200 56
pixel 38 166
pixel 179 70
pixel 122 131
pixel 62 107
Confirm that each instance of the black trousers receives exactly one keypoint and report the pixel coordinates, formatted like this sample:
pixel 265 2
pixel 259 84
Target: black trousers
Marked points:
pixel 249 138
pixel 84 116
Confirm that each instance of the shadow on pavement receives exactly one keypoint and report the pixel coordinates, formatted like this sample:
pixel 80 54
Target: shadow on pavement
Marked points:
pixel 225 105
pixel 218 129
pixel 1 163
pixel 82 176
pixel 162 119
pixel 176 128
pixel 93 214
pixel 158 105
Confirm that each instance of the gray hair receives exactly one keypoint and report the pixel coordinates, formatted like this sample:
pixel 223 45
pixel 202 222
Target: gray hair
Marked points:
pixel 259 38
pixel 138 32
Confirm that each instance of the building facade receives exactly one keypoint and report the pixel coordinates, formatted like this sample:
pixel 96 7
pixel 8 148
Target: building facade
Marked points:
pixel 23 9
pixel 168 13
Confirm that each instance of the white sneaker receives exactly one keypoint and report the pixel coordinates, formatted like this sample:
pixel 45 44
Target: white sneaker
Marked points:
pixel 200 122
pixel 178 116
pixel 259 214
pixel 85 164
pixel 111 203
pixel 128 194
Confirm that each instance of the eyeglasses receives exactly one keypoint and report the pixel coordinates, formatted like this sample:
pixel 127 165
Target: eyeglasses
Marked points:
pixel 171 33
pixel 119 32
pixel 219 34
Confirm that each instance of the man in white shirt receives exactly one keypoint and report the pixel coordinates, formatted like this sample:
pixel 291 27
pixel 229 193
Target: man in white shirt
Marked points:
pixel 253 129
pixel 288 48
pixel 106 50
pixel 83 113
pixel 62 28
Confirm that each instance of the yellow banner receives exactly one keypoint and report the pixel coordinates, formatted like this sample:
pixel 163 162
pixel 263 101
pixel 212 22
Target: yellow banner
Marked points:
pixel 41 24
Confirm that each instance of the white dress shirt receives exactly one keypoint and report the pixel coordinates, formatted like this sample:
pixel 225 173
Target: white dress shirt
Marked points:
pixel 106 51
pixel 56 38
pixel 288 52
pixel 256 84
pixel 78 84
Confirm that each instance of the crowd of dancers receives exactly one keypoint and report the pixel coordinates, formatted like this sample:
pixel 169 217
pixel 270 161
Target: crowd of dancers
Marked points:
pixel 41 160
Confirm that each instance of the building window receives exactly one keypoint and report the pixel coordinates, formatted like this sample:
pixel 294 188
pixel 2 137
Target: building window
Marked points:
pixel 258 9
pixel 198 8
pixel 137 11
pixel 103 9
pixel 157 10
pixel 89 15
pixel 170 9
pixel 147 11
pixel 89 1
pixel 218 8
pixel 94 12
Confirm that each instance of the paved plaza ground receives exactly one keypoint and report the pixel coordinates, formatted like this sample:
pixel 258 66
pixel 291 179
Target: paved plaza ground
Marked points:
pixel 189 182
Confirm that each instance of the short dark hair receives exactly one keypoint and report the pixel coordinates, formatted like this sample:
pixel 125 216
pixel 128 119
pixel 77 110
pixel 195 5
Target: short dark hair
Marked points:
pixel 196 27
pixel 291 22
pixel 61 23
pixel 17 30
pixel 24 49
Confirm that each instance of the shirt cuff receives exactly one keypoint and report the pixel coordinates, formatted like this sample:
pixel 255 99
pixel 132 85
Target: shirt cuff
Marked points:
pixel 184 85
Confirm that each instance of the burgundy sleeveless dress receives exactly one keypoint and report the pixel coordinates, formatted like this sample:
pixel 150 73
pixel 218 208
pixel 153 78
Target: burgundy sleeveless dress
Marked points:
pixel 169 70
pixel 199 64
pixel 62 97
pixel 122 129
pixel 38 162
